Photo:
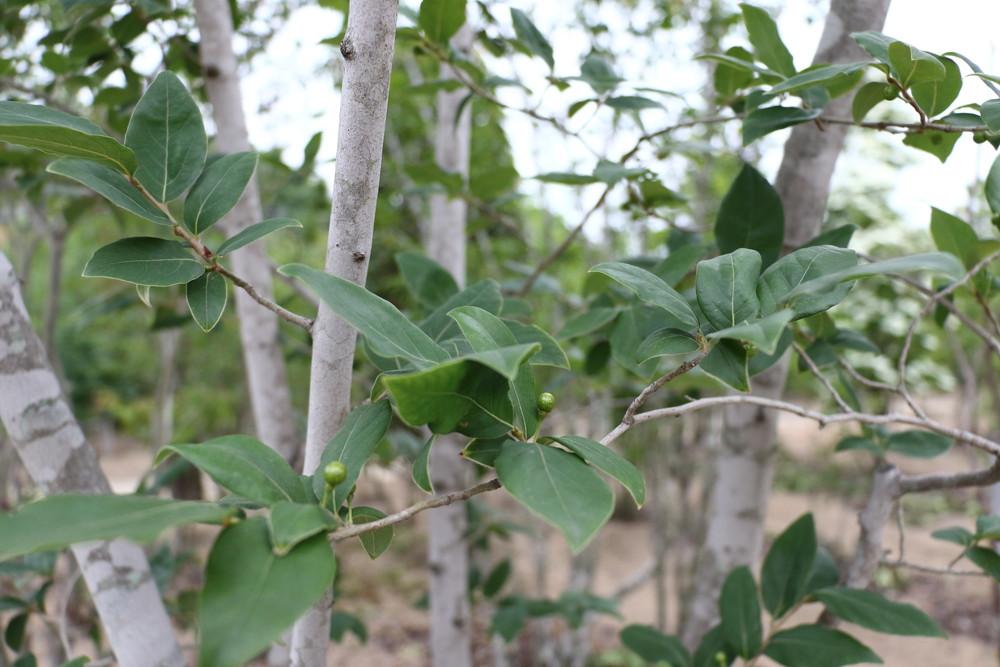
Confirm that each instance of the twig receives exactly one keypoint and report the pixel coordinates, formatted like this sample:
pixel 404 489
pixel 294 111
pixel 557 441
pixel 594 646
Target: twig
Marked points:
pixel 657 384
pixel 50 100
pixel 822 378
pixel 950 480
pixel 894 127
pixel 409 512
pixel 908 98
pixel 898 563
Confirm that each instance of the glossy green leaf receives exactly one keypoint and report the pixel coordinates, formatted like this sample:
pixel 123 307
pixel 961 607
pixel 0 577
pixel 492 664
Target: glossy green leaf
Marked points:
pixel 821 75
pixel 485 294
pixel 217 190
pixel 376 541
pixel 484 451
pixel 991 186
pixel 939 143
pixel 935 96
pixel 168 137
pixel 919 444
pixel 245 466
pixel 727 78
pixel 763 333
pixel 558 487
pixel 986 559
pixel 751 216
pixel 353 445
pixel 825 572
pixel 761 122
pixel 110 184
pixel 801 266
pixel 421 467
pixel 740 613
pixel 531 36
pixel 291 523
pixel 939 262
pixel 550 352
pixel 873 611
pixel 585 323
pixel 58 133
pixel 712 647
pixel 787 566
pixel 612 172
pixel 650 288
pixel 857 442
pixel 254 232
pixel 441 19
pixel 386 329
pixel 954 235
pixel 632 103
pixel 875 43
pixel 607 461
pixel 426 279
pixel 246 607
pixel 58 521
pixel 726 288
pixel 988 527
pixel 566 178
pixel 913 65
pixel 869 96
pixel 145 261
pixel 766 41
pixel 727 363
pixel 990 111
pixel 664 342
pixel 653 646
pixel 680 263
pixel 206 299
pixel 817 646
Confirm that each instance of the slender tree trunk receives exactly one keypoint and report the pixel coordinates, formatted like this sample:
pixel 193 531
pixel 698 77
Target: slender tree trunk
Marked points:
pixel 367 50
pixel 263 359
pixel 745 465
pixel 445 240
pixel 59 459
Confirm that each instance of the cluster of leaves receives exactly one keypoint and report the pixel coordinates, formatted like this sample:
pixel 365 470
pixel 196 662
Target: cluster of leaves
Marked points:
pixel 795 572
pixel 977 546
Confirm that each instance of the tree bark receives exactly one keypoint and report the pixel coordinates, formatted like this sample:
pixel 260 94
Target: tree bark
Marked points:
pixel 445 241
pixel 367 50
pixel 744 468
pixel 263 358
pixel 57 456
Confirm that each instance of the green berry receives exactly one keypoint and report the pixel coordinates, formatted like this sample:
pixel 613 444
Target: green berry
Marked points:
pixel 546 402
pixel 334 473
pixel 890 92
pixel 979 137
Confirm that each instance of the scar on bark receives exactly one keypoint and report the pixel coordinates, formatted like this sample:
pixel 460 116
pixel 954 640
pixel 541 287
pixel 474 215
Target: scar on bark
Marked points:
pixel 358 256
pixel 211 71
pixel 347 48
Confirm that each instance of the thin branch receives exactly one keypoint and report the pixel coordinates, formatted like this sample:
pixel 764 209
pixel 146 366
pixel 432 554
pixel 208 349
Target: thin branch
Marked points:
pixel 657 384
pixel 950 480
pixel 409 512
pixel 900 563
pixel 635 581
pixel 908 98
pixel 822 378
pixel 894 127
pixel 50 100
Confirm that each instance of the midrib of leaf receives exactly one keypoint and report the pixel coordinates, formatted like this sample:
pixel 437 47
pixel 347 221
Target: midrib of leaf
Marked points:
pixel 266 474
pixel 555 487
pixel 166 148
pixel 98 155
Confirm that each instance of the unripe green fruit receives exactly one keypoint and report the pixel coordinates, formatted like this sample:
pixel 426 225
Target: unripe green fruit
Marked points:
pixel 546 402
pixel 890 93
pixel 979 137
pixel 334 473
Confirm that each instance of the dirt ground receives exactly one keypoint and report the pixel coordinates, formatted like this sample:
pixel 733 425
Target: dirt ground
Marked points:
pixel 385 593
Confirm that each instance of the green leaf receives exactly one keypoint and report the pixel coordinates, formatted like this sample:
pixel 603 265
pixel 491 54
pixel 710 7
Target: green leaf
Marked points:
pixel 938 143
pixel 531 37
pixel 426 279
pixel 484 451
pixel 566 178
pixel 931 261
pixel 726 288
pixel 145 261
pixel 761 122
pixel 751 216
pixel 388 332
pixel 377 541
pixel 612 172
pixel 217 190
pixel 873 611
pixel 875 43
pixel 653 646
pixel 353 445
pixel 913 65
pixel 817 646
pixel 58 521
pixel 341 624
pixel 558 487
pixel 206 299
pixel 988 527
pixel 919 444
pixel 291 523
pixel 839 237
pixel 802 266
pixel 825 572
pixel 987 560
pixel 421 467
pixel 168 137
pixel 951 234
pixel 869 96
pixel 727 78
pixel 991 186
pixel 58 133
pixel 664 342
pixel 607 461
pixel 727 363
pixel 787 566
pixel 713 645
pixel 766 42
pixel 935 96
pixel 821 75
pixel 245 466
pixel 550 354
pixel 585 323
pixel 857 442
pixel 650 288
pixel 632 103
pixel 741 64
pixel 110 184
pixel 251 596
pixel 954 534
pixel 497 577
pixel 254 232
pixel 485 294
pixel 990 111
pixel 764 333
pixel 598 74
pixel 441 19
pixel 740 613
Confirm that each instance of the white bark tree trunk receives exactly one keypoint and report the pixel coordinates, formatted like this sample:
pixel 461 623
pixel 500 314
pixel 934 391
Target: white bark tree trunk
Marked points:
pixel 57 456
pixel 445 241
pixel 745 464
pixel 367 50
pixel 263 359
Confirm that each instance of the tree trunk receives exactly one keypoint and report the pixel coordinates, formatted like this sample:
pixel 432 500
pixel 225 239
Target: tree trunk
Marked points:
pixel 57 456
pixel 445 241
pixel 367 50
pixel 744 468
pixel 263 358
